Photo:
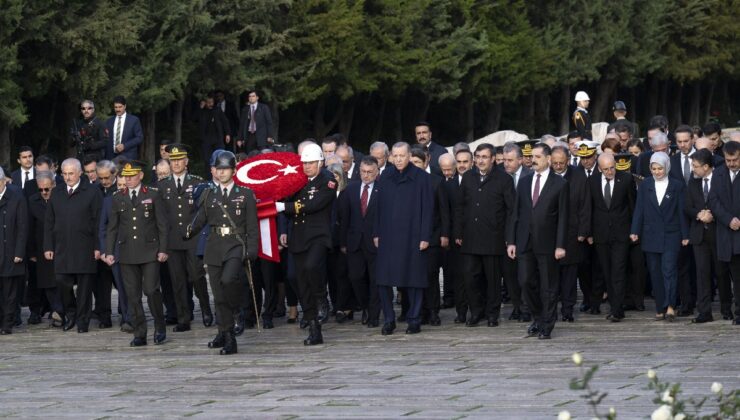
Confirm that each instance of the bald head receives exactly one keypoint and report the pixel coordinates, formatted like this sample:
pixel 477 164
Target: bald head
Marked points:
pixel 447 165
pixel 607 166
pixel 703 143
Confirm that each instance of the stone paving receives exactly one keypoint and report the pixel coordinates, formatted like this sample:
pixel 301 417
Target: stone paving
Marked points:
pixel 448 372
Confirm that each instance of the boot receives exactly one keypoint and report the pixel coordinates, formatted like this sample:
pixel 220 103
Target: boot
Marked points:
pixel 229 343
pixel 217 342
pixel 314 334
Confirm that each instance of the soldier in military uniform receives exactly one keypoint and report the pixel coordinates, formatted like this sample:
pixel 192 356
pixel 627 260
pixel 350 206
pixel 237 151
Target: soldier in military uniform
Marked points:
pixel 89 135
pixel 581 117
pixel 177 192
pixel 311 239
pixel 526 147
pixel 231 211
pixel 138 224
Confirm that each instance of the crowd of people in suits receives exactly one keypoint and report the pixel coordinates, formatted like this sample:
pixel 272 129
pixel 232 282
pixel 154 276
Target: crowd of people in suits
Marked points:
pixel 527 224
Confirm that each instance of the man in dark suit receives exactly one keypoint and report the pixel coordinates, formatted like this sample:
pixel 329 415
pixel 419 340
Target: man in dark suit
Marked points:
pixel 537 236
pixel 357 209
pixel 703 239
pixel 724 201
pixel 440 238
pixel 26 172
pixel 255 128
pixel 612 201
pixel 681 169
pixel 449 266
pixel 657 143
pixel 215 131
pixel 14 232
pixel 350 167
pixel 230 109
pixel 579 224
pixel 513 158
pixel 137 226
pixel 423 132
pixel 70 240
pixel 125 132
pixel 487 201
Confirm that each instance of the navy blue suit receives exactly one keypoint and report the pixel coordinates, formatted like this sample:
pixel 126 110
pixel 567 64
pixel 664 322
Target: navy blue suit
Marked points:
pixel 131 137
pixel 356 235
pixel 661 227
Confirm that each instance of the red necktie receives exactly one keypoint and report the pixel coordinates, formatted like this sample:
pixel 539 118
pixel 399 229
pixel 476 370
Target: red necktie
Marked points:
pixel 536 194
pixel 363 200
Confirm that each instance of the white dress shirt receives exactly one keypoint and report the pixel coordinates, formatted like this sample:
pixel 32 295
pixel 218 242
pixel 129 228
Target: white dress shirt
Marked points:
pixel 660 188
pixel 543 179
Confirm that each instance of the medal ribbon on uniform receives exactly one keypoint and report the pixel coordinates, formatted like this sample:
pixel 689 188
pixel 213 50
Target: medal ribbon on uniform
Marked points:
pixel 268 245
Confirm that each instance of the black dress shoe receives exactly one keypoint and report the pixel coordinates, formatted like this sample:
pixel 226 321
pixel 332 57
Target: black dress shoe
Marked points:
pixel 6 332
pixel 341 317
pixel 217 342
pixel 291 320
pixel 533 330
pixel 82 329
pixel 105 324
pixel 267 324
pixel 68 324
pixel 525 317
pixel 702 319
pixel 595 310
pixel 34 319
pixel 568 318
pixel 314 334
pixel 170 321
pixel 727 316
pixel 435 321
pixel 388 328
pixel 584 307
pixel 229 346
pixel 473 321
pixel 446 304
pixel 685 312
pixel 640 308
pixel 515 314
pixel 544 336
pixel 492 322
pixel 402 318
pixel 373 323
pixel 364 316
pixel 138 342
pixel 629 307
pixel 614 318
pixel 413 329
pixel 207 319
pixel 304 323
pixel 127 328
pixel 160 338
pixel 181 328
pixel 460 319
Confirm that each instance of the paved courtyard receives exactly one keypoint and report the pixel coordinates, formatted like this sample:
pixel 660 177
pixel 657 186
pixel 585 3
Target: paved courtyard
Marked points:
pixel 448 372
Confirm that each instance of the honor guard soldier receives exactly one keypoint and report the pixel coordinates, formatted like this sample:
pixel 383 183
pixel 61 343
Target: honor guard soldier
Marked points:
pixel 231 212
pixel 88 134
pixel 311 239
pixel 177 192
pixel 527 146
pixel 581 118
pixel 137 223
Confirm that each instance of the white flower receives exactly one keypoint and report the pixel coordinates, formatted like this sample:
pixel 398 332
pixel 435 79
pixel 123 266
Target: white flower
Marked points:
pixel 679 416
pixel 612 411
pixel 651 374
pixel 667 398
pixel 662 413
pixel 716 387
pixel 577 359
pixel 564 415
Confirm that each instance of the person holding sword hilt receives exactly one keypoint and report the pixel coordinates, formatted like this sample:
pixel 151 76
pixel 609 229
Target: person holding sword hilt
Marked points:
pixel 231 212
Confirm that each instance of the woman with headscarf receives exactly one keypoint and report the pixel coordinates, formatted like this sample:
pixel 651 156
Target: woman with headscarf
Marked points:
pixel 658 222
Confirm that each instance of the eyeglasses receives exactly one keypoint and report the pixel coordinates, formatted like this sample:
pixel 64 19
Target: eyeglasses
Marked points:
pixel 44 189
pixel 86 108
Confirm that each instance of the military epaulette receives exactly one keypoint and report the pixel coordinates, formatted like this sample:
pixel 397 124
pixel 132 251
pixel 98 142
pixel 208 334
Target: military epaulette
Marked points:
pixel 169 178
pixel 122 191
pixel 196 177
pixel 145 189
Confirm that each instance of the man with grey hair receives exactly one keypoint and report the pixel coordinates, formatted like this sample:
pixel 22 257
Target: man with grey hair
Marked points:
pixel 347 156
pixel 658 143
pixel 379 150
pixel 14 232
pixel 460 146
pixel 72 219
pixel 549 140
pixel 88 133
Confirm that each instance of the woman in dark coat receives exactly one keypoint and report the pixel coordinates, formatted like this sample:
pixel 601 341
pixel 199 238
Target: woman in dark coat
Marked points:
pixel 45 279
pixel 403 230
pixel 659 222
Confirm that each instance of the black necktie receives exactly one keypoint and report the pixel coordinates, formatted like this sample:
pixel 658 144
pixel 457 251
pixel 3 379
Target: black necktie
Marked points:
pixel 706 189
pixel 225 195
pixel 607 194
pixel 588 173
pixel 26 180
pixel 179 186
pixel 133 197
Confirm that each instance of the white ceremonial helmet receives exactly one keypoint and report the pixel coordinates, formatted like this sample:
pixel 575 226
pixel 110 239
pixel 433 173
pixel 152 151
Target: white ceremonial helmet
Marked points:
pixel 582 96
pixel 312 153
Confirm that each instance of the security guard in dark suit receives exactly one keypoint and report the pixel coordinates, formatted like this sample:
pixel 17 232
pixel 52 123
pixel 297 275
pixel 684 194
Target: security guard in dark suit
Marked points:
pixel 138 224
pixel 231 211
pixel 177 192
pixel 310 239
